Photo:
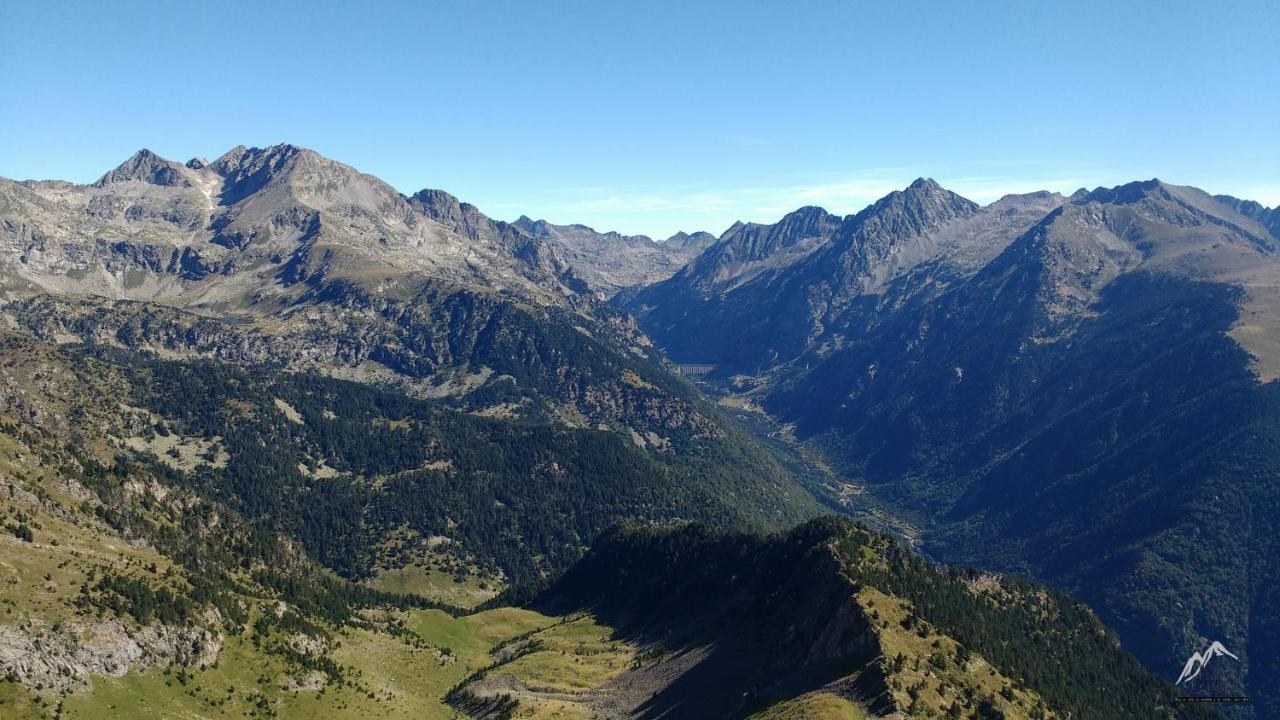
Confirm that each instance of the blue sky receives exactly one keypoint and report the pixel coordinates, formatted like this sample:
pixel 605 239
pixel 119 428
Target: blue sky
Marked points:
pixel 650 117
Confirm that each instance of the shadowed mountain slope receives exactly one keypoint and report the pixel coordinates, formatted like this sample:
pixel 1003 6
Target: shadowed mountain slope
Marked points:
pixel 730 625
pixel 1066 388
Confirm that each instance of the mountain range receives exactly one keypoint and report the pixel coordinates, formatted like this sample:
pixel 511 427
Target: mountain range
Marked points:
pixel 1079 389
pixel 269 408
pixel 604 262
pixel 279 259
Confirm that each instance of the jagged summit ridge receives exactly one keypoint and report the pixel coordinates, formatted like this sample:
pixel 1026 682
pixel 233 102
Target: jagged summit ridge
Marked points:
pixel 1256 211
pixel 607 262
pixel 256 223
pixel 923 205
pixel 767 293
pixel 146 166
pixel 257 205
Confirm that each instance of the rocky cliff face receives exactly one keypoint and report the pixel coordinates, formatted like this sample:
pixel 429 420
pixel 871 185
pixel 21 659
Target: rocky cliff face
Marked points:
pixel 65 657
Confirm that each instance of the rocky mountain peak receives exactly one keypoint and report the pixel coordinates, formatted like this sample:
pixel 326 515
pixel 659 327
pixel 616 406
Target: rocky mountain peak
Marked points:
pixel 682 238
pixel 146 166
pixel 898 218
pixel 749 242
pixel 297 176
pixel 807 219
pixel 241 163
pixel 436 203
pixel 529 225
pixel 1188 208
pixel 230 158
pixel 926 191
pixel 249 160
pixel 1081 247
pixel 1039 196
pixel 575 232
pixel 924 184
pixel 606 261
pixel 747 249
pixel 922 205
pixel 463 218
pixel 1128 193
pixel 1248 208
pixel 247 170
pixel 1269 218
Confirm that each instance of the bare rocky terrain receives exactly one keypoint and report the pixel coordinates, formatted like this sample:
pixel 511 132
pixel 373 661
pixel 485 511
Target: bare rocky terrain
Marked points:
pixel 68 656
